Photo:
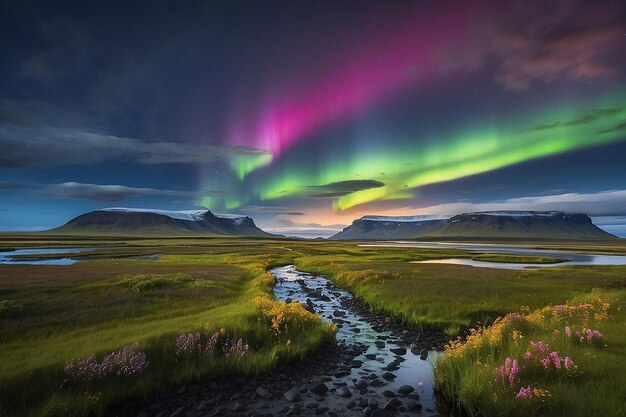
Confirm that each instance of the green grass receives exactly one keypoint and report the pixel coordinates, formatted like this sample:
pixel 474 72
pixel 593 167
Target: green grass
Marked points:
pixel 118 298
pixel 69 312
pixel 467 373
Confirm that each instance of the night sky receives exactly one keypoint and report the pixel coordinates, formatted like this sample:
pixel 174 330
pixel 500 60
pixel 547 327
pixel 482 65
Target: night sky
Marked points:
pixel 308 114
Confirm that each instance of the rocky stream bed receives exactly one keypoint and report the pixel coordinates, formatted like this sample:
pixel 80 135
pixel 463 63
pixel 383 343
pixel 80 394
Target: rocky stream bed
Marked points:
pixel 378 368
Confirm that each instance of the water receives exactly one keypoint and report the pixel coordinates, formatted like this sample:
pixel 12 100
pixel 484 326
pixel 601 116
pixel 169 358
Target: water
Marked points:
pixel 7 257
pixel 412 371
pixel 569 258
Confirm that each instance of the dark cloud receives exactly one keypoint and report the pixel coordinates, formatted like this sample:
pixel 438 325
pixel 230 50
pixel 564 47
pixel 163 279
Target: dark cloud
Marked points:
pixel 271 210
pixel 547 41
pixel 582 119
pixel 337 189
pixel 24 146
pixel 618 128
pixel 64 50
pixel 99 192
pixel 603 203
pixel 11 185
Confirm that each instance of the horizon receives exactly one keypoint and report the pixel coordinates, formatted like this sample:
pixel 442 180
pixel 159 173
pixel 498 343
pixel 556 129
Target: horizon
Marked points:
pixel 308 116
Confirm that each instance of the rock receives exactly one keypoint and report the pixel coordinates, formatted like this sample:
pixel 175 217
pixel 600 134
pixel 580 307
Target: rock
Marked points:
pixel 293 395
pixel 405 390
pixel 389 376
pixel 342 373
pixel 372 402
pixel 379 344
pixel 392 366
pixel 321 410
pixel 312 404
pixel 351 404
pixel 319 389
pixel 398 351
pixel 393 404
pixel 377 383
pixel 423 354
pixel 262 392
pixel 294 410
pixel 413 405
pixel 380 413
pixel 389 394
pixel 362 384
pixel 356 364
pixel 344 392
pixel 239 406
pixel 370 356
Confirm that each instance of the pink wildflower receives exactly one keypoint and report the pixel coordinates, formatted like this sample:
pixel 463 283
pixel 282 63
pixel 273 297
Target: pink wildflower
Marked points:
pixel 525 392
pixel 568 331
pixel 569 363
pixel 556 360
pixel 528 356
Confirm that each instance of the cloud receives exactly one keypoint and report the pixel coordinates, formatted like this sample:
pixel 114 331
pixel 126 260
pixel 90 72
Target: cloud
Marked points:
pixel 98 192
pixel 271 210
pixel 583 119
pixel 604 203
pixel 340 188
pixel 546 41
pixel 619 127
pixel 11 185
pixel 25 146
pixel 290 228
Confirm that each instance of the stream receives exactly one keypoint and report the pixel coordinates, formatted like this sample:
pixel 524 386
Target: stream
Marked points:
pixel 371 371
pixel 378 370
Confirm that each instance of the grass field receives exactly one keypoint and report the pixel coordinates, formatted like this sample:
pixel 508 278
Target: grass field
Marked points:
pixel 52 315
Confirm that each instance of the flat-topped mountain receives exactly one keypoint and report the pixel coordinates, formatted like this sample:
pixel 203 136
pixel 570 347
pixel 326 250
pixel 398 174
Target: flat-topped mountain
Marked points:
pixel 149 221
pixel 488 224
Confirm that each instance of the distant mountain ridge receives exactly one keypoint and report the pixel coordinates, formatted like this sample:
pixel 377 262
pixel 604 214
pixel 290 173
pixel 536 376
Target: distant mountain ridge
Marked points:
pixel 150 221
pixel 494 224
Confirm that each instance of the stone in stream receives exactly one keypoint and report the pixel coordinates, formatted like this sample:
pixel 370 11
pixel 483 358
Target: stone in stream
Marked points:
pixel 262 392
pixel 293 395
pixel 398 351
pixel 389 376
pixel 379 344
pixel 344 392
pixel 405 390
pixel 392 366
pixel 370 356
pixel 379 412
pixel 362 384
pixel 393 404
pixel 377 383
pixel 341 373
pixel 389 394
pixel 294 410
pixel 423 354
pixel 413 405
pixel 356 364
pixel 319 389
pixel 351 404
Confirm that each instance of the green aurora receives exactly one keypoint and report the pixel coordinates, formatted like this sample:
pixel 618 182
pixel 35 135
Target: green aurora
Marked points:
pixel 419 162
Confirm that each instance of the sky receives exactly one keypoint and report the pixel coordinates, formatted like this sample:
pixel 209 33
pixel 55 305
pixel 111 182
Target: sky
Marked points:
pixel 308 115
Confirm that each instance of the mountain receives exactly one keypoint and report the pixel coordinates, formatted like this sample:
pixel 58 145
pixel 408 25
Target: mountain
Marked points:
pixel 148 221
pixel 488 224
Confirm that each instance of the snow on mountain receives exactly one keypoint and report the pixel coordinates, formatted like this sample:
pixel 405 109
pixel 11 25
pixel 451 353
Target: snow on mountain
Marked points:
pixel 404 219
pixel 189 215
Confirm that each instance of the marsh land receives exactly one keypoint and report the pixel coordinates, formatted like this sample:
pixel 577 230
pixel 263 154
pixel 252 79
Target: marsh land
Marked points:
pixel 157 320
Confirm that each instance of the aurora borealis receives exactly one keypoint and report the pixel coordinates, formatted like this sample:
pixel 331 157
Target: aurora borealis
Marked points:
pixel 306 115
